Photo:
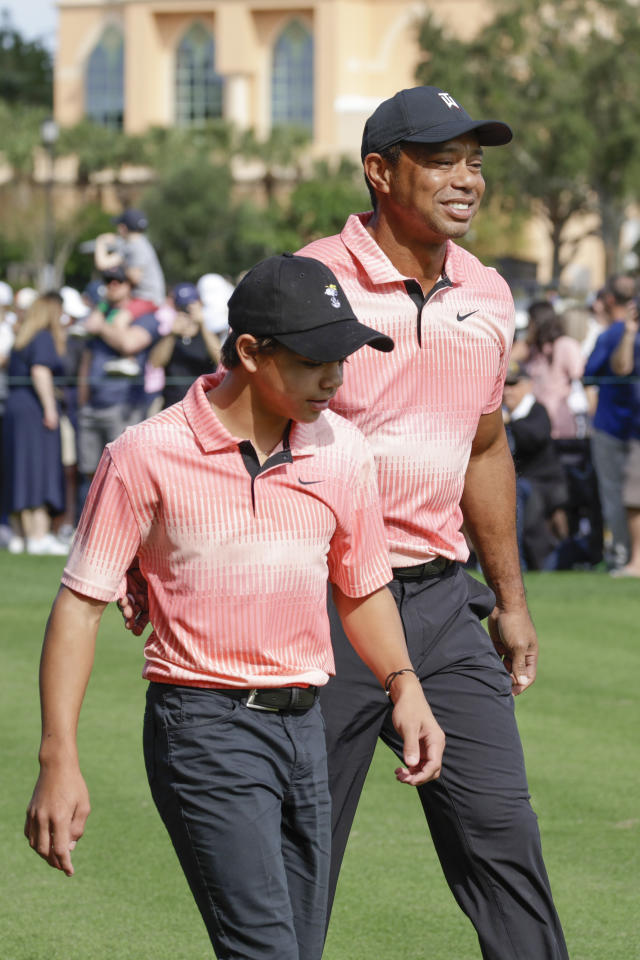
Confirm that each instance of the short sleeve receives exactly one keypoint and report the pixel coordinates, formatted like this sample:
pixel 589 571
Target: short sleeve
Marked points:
pixel 150 323
pixel 107 538
pixel 508 326
pixel 136 253
pixel 41 351
pixel 598 362
pixel 358 557
pixel 570 358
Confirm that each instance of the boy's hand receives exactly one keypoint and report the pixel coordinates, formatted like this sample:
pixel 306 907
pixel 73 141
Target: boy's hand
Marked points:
pixel 134 605
pixel 423 737
pixel 57 814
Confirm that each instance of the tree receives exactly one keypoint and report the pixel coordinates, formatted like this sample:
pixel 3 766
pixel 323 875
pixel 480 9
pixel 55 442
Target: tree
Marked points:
pixel 319 205
pixel 279 152
pixel 566 75
pixel 26 71
pixel 198 227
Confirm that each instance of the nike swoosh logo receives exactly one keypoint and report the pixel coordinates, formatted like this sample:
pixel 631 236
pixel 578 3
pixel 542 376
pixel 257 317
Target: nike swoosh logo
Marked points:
pixel 463 316
pixel 308 483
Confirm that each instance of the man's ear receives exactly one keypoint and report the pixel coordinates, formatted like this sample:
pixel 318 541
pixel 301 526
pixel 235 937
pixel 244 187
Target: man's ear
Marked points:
pixel 246 348
pixel 378 172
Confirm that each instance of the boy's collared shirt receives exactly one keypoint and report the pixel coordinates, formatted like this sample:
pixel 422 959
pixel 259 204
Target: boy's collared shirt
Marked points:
pixel 236 554
pixel 419 406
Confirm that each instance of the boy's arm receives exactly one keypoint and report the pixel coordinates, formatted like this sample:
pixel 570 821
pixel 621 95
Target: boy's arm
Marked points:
pixel 106 254
pixel 374 629
pixel 59 807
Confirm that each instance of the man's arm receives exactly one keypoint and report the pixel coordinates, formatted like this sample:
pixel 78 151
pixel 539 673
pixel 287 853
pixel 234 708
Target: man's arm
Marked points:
pixel 622 358
pixel 374 629
pixel 59 807
pixel 126 340
pixel 489 509
pixel 163 351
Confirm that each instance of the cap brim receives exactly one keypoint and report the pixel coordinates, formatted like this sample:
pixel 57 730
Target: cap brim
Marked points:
pixel 490 133
pixel 334 341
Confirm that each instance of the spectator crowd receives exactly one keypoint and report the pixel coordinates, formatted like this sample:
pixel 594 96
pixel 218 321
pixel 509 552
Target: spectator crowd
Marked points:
pixel 78 368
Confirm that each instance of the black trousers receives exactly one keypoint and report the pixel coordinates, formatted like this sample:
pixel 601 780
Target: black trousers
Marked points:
pixel 244 796
pixel 478 811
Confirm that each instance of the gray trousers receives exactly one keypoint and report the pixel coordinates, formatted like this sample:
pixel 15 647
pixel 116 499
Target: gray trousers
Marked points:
pixel 244 796
pixel 609 455
pixel 483 827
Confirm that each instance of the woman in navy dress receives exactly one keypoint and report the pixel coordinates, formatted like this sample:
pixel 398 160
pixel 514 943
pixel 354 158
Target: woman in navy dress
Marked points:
pixel 34 480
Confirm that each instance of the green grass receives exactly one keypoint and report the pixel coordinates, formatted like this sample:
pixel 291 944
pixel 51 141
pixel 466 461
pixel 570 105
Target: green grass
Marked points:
pixel 129 901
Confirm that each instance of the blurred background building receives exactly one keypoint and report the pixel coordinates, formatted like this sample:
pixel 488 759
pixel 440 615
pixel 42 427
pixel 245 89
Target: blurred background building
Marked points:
pixel 323 65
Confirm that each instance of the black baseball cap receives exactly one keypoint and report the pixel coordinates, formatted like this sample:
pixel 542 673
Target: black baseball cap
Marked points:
pixel 515 373
pixel 299 302
pixel 426 115
pixel 134 220
pixel 115 273
pixel 184 294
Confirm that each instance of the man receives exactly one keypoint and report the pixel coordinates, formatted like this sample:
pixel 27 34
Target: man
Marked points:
pixel 240 502
pixel 541 484
pixel 189 349
pixel 625 362
pixel 110 397
pixel 617 417
pixel 432 413
pixel 133 251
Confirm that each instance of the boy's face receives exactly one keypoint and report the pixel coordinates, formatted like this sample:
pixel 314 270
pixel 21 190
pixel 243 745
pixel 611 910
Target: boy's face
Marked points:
pixel 294 387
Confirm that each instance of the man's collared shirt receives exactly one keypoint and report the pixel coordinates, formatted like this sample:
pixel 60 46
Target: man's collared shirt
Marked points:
pixel 419 406
pixel 236 555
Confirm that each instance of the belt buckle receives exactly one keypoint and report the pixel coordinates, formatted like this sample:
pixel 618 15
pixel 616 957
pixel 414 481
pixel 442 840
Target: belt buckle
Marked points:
pixel 251 702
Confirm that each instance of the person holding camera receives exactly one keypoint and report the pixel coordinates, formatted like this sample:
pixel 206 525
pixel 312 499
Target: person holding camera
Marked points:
pixel 616 425
pixel 190 349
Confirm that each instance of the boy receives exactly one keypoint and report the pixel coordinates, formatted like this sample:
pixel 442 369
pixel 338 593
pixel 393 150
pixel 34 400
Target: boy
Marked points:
pixel 239 502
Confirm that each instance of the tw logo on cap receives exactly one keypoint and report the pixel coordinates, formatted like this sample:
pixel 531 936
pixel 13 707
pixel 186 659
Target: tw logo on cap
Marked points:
pixel 332 291
pixel 448 99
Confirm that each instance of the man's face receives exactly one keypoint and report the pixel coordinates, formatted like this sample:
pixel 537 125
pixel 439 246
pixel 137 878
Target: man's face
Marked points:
pixel 515 392
pixel 293 387
pixel 436 189
pixel 118 291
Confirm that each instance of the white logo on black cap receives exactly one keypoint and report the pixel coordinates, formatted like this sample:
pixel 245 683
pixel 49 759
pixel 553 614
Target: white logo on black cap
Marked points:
pixel 448 99
pixel 332 291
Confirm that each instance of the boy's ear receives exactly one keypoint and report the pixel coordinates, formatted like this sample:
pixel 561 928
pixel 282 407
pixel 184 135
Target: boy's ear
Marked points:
pixel 246 348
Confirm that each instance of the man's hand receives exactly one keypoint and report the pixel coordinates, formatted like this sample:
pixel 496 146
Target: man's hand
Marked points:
pixel 57 814
pixel 421 734
pixel 632 319
pixel 94 323
pixel 134 606
pixel 514 637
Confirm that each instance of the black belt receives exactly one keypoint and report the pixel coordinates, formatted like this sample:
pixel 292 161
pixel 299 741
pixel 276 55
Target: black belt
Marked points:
pixel 275 699
pixel 432 568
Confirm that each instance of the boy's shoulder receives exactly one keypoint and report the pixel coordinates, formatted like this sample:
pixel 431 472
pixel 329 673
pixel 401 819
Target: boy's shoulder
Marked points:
pixel 169 427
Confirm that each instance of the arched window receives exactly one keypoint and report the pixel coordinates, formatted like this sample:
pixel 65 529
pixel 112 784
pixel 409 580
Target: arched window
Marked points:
pixel 104 80
pixel 198 87
pixel 292 77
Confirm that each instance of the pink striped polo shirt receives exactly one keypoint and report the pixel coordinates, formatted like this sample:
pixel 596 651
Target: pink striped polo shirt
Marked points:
pixel 419 405
pixel 236 555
